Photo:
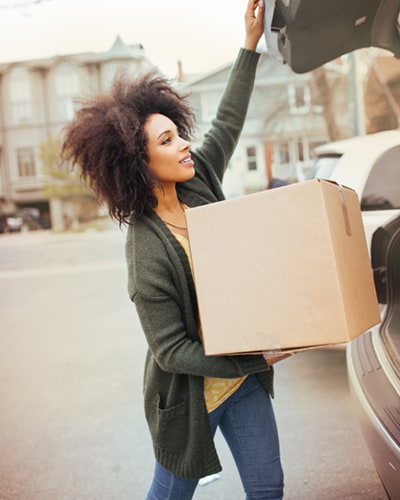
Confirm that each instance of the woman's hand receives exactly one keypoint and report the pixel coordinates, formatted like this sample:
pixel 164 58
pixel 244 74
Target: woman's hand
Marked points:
pixel 274 359
pixel 254 23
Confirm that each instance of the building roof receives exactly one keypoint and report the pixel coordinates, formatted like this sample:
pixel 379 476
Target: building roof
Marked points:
pixel 119 50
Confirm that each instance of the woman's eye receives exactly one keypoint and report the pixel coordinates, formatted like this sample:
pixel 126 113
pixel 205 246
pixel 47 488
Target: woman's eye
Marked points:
pixel 166 141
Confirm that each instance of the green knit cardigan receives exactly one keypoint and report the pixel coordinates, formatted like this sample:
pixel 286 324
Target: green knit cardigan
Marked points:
pixel 161 285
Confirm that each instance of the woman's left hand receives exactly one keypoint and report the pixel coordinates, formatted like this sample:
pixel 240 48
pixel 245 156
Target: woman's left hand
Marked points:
pixel 274 359
pixel 254 23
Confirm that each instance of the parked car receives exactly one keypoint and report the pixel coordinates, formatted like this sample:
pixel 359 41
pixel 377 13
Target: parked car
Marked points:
pixel 373 363
pixel 313 32
pixel 14 223
pixel 370 165
pixel 25 219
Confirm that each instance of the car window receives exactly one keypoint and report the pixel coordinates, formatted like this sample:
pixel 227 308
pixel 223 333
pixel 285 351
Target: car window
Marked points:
pixel 382 189
pixel 323 167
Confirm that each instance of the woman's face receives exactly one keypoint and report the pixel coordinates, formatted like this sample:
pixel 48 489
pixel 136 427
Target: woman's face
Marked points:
pixel 169 154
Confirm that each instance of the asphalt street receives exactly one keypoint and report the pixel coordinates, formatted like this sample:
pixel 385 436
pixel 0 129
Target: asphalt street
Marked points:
pixel 71 414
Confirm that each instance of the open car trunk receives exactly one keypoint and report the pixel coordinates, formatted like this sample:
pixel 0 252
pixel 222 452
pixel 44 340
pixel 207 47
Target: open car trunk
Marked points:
pixel 313 32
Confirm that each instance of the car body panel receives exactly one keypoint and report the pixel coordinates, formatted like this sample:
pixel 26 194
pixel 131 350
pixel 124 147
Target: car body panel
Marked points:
pixel 313 32
pixel 357 155
pixel 375 391
pixel 373 362
pixel 372 220
pixel 350 163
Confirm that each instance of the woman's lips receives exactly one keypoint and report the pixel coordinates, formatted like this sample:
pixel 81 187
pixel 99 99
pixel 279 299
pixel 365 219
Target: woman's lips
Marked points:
pixel 187 161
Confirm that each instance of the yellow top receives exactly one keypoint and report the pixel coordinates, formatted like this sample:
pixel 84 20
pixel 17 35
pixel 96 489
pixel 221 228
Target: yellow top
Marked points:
pixel 216 390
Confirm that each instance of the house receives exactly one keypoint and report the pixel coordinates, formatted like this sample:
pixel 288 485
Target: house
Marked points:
pixel 287 118
pixel 36 102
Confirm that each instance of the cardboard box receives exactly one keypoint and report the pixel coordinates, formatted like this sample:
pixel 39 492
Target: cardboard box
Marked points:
pixel 282 269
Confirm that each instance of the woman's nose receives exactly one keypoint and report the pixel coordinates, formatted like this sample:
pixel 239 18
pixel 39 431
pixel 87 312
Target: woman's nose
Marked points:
pixel 185 144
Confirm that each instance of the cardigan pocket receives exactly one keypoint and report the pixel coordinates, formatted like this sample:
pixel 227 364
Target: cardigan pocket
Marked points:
pixel 170 430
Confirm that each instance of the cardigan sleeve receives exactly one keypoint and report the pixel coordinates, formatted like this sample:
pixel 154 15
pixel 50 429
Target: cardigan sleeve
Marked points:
pixel 220 141
pixel 175 352
pixel 159 285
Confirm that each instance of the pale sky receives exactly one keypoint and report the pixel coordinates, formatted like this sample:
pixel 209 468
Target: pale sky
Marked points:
pixel 203 34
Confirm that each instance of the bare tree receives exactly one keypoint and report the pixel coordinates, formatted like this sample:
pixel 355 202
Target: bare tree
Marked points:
pixel 325 92
pixel 61 180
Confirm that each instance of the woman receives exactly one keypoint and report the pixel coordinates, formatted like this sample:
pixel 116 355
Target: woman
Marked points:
pixel 133 148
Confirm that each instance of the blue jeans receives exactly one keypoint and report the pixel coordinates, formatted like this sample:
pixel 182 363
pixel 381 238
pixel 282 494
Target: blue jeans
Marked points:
pixel 247 422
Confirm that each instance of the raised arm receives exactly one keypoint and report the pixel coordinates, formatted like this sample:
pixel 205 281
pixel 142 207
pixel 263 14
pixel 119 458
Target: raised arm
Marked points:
pixel 254 24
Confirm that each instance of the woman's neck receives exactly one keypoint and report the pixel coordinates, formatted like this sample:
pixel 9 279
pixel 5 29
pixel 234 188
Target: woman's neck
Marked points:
pixel 171 211
pixel 167 201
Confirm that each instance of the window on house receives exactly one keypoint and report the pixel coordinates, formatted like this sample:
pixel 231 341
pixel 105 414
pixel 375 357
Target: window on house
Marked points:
pixel 300 151
pixel 67 88
pixel 299 98
pixel 251 155
pixel 284 153
pixel 20 96
pixel 26 162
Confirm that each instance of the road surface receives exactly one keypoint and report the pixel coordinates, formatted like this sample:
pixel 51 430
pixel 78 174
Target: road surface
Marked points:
pixel 71 413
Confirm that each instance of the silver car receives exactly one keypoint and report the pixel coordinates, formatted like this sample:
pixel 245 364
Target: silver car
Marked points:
pixel 371 166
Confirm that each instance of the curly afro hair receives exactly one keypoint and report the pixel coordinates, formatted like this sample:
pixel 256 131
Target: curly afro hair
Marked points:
pixel 106 139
